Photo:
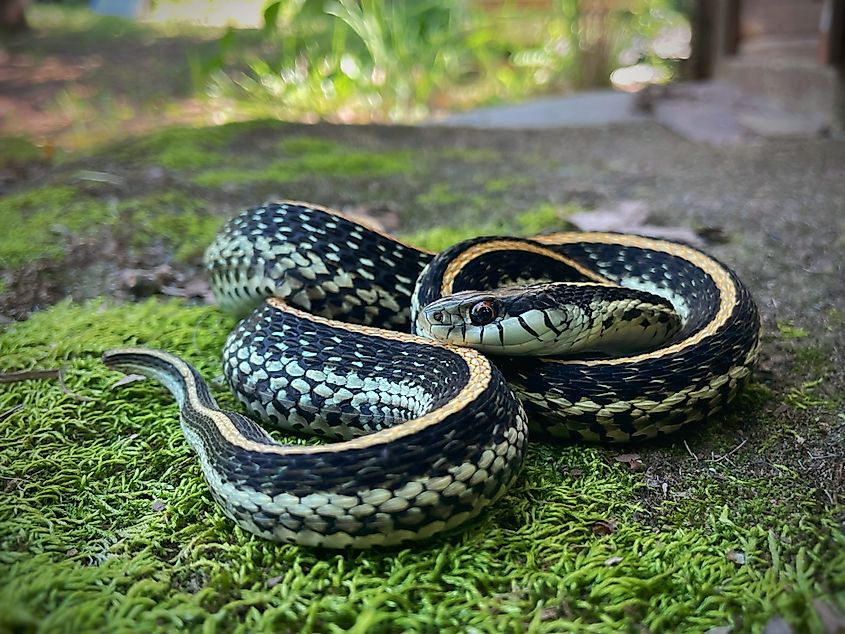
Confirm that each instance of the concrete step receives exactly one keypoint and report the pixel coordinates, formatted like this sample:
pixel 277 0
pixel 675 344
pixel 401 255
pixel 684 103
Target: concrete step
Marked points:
pixel 798 84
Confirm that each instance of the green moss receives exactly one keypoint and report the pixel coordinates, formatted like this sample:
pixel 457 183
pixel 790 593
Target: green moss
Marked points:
pixel 37 223
pixel 354 163
pixel 180 221
pixel 500 185
pixel 349 162
pixel 310 145
pixel 805 396
pixel 532 222
pixel 440 194
pixel 106 524
pixel 188 156
pixel 543 218
pixel 812 360
pixel 182 148
pixel 19 149
pixel 788 330
pixel 439 238
pixel 46 219
pixel 772 502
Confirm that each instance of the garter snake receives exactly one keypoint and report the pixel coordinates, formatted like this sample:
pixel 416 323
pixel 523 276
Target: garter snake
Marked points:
pixel 429 432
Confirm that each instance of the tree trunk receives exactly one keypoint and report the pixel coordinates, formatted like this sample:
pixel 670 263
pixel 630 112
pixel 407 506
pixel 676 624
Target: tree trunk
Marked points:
pixel 13 16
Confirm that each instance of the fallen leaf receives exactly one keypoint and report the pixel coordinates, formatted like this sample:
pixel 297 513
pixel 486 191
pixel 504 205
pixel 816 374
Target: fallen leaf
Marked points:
pixel 274 581
pixel 612 561
pixel 736 556
pixel 147 282
pixel 194 288
pixel 630 216
pixel 631 459
pixel 549 614
pixel 605 527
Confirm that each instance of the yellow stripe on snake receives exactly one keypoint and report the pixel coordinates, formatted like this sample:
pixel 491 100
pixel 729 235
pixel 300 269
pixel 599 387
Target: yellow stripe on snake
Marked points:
pixel 577 336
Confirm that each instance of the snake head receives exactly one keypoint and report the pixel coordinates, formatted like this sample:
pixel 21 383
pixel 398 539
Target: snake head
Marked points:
pixel 551 319
pixel 490 321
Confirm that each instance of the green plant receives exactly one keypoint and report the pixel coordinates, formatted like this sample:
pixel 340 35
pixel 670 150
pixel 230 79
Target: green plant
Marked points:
pixel 403 60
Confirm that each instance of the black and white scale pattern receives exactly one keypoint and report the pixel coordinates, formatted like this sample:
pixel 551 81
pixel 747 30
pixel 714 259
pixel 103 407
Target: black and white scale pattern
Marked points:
pixel 651 395
pixel 315 260
pixel 305 376
pixel 387 491
pixel 435 434
pixel 330 266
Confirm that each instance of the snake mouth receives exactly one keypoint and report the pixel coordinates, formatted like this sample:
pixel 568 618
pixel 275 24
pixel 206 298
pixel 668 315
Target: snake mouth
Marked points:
pixel 434 323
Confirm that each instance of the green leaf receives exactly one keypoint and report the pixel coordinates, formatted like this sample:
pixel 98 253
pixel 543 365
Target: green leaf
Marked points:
pixel 271 15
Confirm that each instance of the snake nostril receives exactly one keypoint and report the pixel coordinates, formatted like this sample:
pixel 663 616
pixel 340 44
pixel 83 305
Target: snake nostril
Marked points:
pixel 437 316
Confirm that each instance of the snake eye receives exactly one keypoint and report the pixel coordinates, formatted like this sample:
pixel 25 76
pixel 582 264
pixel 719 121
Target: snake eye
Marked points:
pixel 482 313
pixel 437 316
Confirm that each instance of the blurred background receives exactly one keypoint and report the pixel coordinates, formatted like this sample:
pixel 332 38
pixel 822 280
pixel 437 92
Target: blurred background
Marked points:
pixel 73 74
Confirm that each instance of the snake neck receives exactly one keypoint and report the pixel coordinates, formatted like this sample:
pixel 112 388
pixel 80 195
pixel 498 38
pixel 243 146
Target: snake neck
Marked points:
pixel 569 318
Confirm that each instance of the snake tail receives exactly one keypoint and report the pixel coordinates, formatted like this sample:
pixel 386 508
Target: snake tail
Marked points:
pixel 408 480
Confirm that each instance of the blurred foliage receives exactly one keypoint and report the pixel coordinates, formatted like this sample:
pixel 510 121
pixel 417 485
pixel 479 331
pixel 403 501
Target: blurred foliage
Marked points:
pixel 402 60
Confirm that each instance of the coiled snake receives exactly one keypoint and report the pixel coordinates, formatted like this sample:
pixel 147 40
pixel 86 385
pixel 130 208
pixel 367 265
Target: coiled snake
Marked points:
pixel 431 433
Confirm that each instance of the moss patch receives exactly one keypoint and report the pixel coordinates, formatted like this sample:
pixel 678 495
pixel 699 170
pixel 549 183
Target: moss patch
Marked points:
pixel 39 222
pixel 788 330
pixel 534 221
pixel 17 149
pixel 105 523
pixel 306 156
pixel 183 148
pixel 182 222
pixel 47 219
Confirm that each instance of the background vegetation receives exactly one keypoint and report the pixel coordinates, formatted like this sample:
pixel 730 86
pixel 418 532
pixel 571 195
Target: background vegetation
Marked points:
pixel 79 79
pixel 354 60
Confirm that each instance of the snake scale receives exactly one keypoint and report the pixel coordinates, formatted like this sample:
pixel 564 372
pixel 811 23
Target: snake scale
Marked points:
pixel 636 337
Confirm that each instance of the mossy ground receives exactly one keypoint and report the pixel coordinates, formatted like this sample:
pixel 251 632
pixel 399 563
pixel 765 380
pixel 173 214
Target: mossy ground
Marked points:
pixel 106 524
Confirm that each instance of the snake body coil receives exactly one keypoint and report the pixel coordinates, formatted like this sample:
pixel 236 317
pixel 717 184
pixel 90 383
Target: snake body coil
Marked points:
pixel 431 433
